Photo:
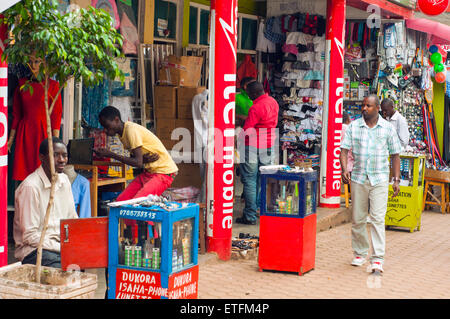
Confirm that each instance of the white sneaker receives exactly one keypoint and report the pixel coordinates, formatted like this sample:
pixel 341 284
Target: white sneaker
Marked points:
pixel 377 266
pixel 358 261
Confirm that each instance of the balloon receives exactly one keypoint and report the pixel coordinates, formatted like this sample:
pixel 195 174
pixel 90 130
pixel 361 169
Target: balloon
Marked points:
pixel 439 67
pixel 436 58
pixel 440 77
pixel 433 49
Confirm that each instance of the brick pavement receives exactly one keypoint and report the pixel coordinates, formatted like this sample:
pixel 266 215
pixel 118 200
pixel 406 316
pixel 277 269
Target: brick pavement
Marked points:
pixel 416 266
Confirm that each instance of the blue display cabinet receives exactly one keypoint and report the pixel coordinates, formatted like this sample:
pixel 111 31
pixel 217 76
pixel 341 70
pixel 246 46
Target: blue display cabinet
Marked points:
pixel 153 252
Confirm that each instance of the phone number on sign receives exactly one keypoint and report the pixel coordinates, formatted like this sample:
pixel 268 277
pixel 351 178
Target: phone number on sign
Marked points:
pixel 136 213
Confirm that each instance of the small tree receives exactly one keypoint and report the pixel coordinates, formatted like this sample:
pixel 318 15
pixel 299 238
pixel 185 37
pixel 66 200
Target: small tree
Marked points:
pixel 81 45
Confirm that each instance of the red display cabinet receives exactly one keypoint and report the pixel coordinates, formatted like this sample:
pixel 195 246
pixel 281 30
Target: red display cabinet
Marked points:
pixel 287 231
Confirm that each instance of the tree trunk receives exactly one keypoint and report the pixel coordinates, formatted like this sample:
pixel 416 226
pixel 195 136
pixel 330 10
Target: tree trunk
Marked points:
pixel 53 184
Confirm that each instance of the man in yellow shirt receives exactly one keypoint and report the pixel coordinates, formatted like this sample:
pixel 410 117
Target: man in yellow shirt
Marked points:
pixel 146 151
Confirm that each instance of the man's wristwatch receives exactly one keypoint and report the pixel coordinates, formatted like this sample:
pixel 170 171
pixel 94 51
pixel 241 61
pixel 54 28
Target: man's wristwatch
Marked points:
pixel 395 179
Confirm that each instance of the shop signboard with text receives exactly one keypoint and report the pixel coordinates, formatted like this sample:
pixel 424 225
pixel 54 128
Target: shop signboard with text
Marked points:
pixel 3 152
pixel 222 86
pixel 184 284
pixel 133 284
pixel 334 98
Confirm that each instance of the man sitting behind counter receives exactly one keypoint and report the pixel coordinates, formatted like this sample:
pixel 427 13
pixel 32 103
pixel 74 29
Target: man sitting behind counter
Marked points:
pixel 146 151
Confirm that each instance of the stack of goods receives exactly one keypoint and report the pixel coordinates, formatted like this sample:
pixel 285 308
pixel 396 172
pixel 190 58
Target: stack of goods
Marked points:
pixel 361 63
pixel 182 248
pixel 133 256
pixel 140 244
pixel 178 83
pixel 114 144
pixel 297 82
pixel 411 109
pixel 244 247
pixel 387 62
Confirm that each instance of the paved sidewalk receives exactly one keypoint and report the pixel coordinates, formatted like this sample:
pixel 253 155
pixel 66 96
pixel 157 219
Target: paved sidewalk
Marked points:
pixel 416 266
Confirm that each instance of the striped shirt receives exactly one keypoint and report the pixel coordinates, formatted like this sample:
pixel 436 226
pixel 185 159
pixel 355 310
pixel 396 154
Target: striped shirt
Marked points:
pixel 371 148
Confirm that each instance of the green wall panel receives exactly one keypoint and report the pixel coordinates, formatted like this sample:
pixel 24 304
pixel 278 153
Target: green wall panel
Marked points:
pixel 438 108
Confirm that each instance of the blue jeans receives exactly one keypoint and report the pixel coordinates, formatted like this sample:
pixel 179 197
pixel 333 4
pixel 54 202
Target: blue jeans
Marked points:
pixel 49 258
pixel 253 159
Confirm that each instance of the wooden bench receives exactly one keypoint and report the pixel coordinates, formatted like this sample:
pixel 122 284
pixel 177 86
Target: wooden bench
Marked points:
pixel 440 179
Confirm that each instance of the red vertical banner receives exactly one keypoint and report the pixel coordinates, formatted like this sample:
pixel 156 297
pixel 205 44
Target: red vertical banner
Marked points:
pixel 3 151
pixel 333 102
pixel 222 87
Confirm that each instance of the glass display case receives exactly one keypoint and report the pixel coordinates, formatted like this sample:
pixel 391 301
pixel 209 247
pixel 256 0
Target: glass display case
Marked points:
pixel 292 194
pixel 287 232
pixel 155 245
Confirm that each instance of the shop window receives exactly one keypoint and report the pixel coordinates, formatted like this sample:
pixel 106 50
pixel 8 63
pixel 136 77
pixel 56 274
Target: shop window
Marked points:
pixel 204 27
pixel 199 24
pixel 165 20
pixel 199 28
pixel 193 24
pixel 248 33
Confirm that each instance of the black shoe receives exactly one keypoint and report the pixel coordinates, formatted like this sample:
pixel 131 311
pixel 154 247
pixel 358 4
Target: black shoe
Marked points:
pixel 243 220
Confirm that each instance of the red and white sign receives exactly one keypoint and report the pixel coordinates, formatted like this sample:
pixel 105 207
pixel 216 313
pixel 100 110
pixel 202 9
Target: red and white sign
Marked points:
pixel 133 284
pixel 3 152
pixel 433 7
pixel 334 98
pixel 222 90
pixel 184 285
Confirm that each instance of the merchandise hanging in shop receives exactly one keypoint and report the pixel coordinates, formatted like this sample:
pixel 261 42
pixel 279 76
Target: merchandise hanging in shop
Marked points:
pixel 293 50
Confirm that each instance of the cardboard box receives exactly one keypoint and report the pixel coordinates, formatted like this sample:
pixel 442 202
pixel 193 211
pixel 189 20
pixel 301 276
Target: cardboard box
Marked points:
pixel 184 101
pixel 185 123
pixel 165 127
pixel 188 175
pixel 165 102
pixel 188 124
pixel 168 143
pixel 181 71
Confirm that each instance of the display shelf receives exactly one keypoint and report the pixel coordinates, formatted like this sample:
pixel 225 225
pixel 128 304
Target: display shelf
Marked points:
pixel 157 246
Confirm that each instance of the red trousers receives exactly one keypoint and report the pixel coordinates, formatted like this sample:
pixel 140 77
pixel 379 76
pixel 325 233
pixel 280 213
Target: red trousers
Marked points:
pixel 145 184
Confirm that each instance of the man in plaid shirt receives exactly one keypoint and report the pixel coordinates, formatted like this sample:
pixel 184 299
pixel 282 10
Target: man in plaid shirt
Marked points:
pixel 372 140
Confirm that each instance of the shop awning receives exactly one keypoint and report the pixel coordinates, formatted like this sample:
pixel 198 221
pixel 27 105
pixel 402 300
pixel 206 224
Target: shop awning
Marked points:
pixel 435 29
pixel 5 4
pixel 389 10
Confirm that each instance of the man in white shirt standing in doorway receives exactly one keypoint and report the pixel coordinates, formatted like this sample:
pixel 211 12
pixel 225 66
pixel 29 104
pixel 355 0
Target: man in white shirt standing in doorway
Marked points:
pixel 397 120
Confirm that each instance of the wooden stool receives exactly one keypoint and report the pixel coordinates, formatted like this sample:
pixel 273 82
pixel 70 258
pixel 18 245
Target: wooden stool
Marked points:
pixel 443 202
pixel 201 228
pixel 346 194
